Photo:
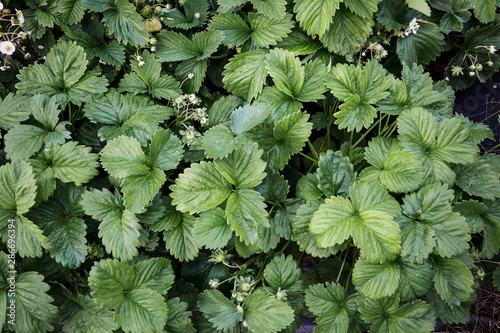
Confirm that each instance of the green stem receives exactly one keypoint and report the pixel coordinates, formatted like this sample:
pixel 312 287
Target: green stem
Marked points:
pixel 489 151
pixel 313 150
pixel 309 158
pixel 368 131
pixel 341 267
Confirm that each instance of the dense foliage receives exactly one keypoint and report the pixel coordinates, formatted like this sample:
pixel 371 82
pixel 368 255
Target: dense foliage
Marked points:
pixel 230 166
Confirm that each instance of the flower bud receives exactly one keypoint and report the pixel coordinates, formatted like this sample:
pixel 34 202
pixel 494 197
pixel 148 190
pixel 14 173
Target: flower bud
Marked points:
pixel 157 10
pixel 146 11
pixel 153 25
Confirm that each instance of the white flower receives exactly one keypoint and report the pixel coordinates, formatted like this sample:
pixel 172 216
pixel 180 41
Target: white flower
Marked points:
pixel 492 49
pixel 197 15
pixel 153 48
pixel 20 16
pixel 192 97
pixel 412 27
pixel 489 63
pixel 1 5
pixel 7 48
pixel 190 75
pixel 141 63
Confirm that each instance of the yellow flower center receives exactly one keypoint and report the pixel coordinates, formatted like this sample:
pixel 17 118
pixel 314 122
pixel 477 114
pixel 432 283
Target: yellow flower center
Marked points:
pixel 7 48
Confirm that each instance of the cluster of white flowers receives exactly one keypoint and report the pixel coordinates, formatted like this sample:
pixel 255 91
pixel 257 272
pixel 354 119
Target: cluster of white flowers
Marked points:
pixel 412 28
pixel 139 59
pixel 377 51
pixel 475 66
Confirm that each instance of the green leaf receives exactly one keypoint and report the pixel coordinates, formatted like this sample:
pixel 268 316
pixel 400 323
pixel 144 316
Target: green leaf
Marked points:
pixel 457 14
pixel 72 11
pixel 220 111
pixel 200 187
pixel 17 187
pixel 450 314
pixel 155 274
pixel 322 299
pixel 478 179
pixel 205 43
pixel 266 314
pixel 308 188
pixel 286 71
pixel 219 141
pixel 299 43
pixel 333 321
pixel 247 117
pixel 174 46
pixel 180 241
pixel 415 279
pixel 245 74
pixel 125 24
pixel 90 316
pixel 45 110
pixel 72 163
pixel 140 189
pixel 166 150
pixel 362 8
pixel 271 8
pixel 142 310
pixel 29 237
pixel 368 219
pixel 420 5
pixel 220 311
pixel 484 10
pixel 13 110
pixel 416 316
pixel 211 229
pixel 315 16
pixel 335 174
pixel 247 215
pixel 347 32
pixel 147 79
pixel 491 218
pixel 496 278
pixel 453 281
pixel 398 170
pixel 436 143
pixel 283 274
pixel 178 318
pixel 314 85
pixel 376 280
pixel 473 212
pixel 373 309
pixel 422 47
pixel 62 76
pixel 358 88
pixel 23 141
pixel 235 30
pixel 196 67
pixel 34 311
pixel 243 167
pixel 121 162
pixel 303 236
pixel 187 20
pixel 119 228
pixel 65 232
pixel 267 30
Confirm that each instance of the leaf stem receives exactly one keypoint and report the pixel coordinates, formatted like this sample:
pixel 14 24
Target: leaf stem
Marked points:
pixel 309 158
pixel 368 131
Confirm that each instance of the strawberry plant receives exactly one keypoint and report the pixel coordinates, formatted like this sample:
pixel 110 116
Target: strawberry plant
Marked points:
pixel 234 166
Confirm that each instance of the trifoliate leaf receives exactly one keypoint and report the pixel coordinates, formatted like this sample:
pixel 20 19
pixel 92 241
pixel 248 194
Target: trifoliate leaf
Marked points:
pixel 211 229
pixel 13 110
pixel 147 79
pixel 314 85
pixel 142 309
pixel 245 74
pixel 362 8
pixel 63 76
pixel 17 187
pixel 478 179
pixel 155 274
pixel 347 32
pixel 65 231
pixel 235 30
pixel 335 173
pixel 90 316
pixel 266 314
pixel 308 187
pixel 484 10
pixel 415 279
pixel 286 71
pixel 479 131
pixel 219 141
pixel 398 170
pixel 372 309
pixel 315 16
pixel 411 317
pixel 243 167
pixel 369 219
pixel 34 311
pixel 125 23
pixel 201 187
pixel 303 236
pixel 166 150
pixel 436 143
pixel 129 115
pixel 418 90
pixel 321 299
pixel 219 310
pixel 108 279
pixel 195 15
pixel 272 8
pixel 422 47
pixel 283 274
pixel 72 163
pixel 268 31
pixel 473 212
pixel 376 280
pixel 178 318
pixel 247 215
pixel 220 112
pixel 358 88
pixel 453 281
pixel 457 13
pixel 119 228
pixel 180 241
pixel 247 117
